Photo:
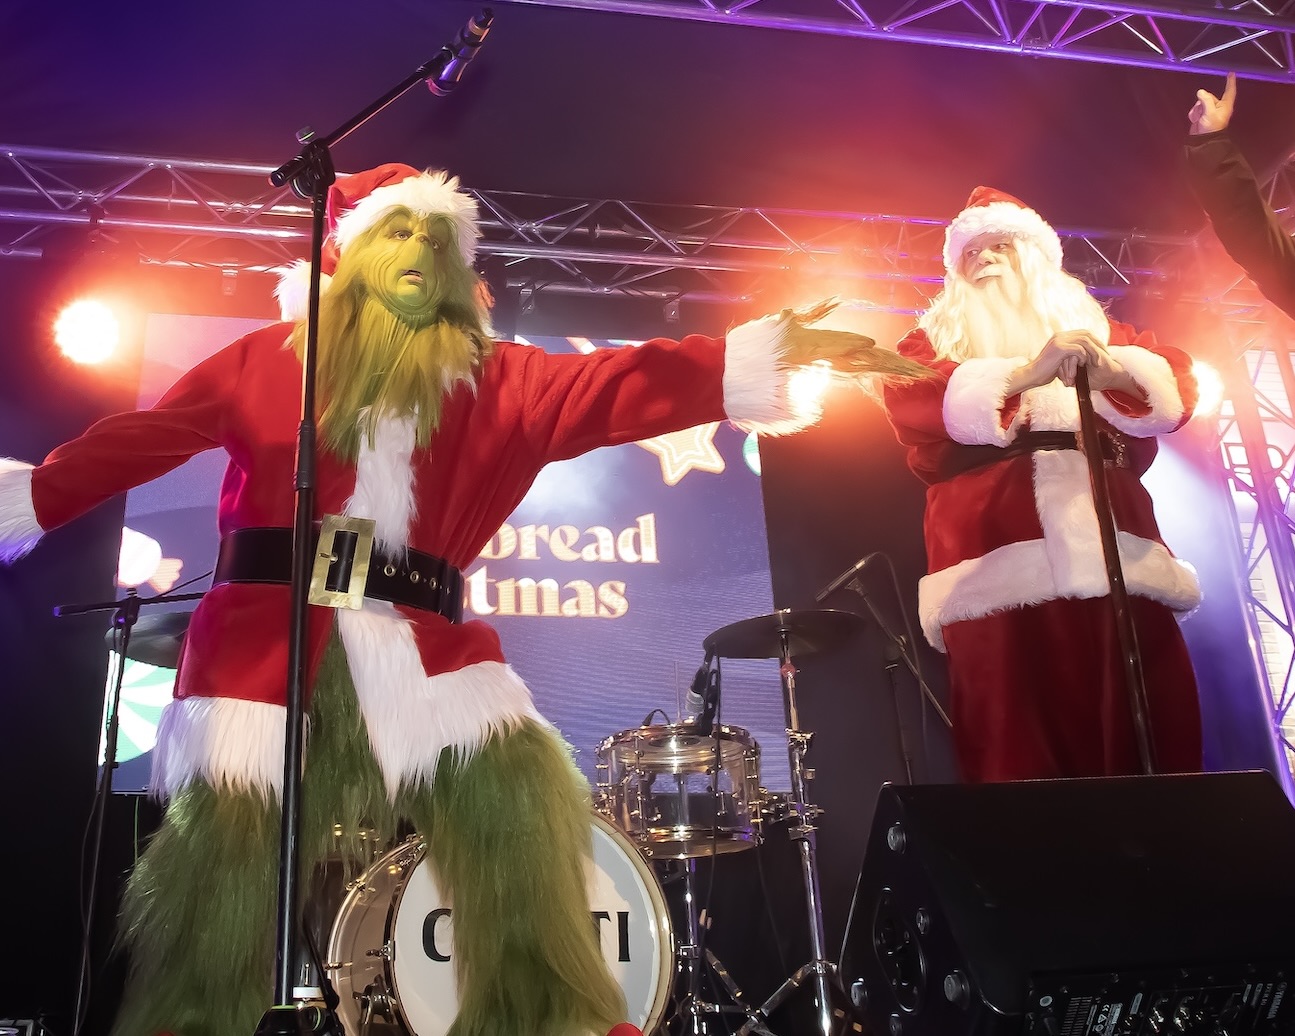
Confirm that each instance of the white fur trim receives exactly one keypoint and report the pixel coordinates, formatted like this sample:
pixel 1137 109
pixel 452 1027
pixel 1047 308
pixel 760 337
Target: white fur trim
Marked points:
pixel 411 717
pixel 974 399
pixel 432 193
pixel 19 530
pixel 384 481
pixel 1000 217
pixel 1155 377
pixel 757 394
pixel 1051 408
pixel 293 290
pixel 227 742
pixel 1066 562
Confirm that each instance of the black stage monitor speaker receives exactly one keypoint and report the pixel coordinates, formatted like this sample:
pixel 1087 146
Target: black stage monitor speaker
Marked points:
pixel 1123 906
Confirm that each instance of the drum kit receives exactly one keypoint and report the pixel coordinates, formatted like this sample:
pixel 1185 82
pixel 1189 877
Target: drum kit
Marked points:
pixel 685 791
pixel 670 792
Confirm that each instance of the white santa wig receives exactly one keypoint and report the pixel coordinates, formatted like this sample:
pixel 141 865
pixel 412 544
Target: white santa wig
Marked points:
pixel 1052 300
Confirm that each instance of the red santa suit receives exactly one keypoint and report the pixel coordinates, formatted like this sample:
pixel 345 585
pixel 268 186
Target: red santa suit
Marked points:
pixel 1017 586
pixel 422 682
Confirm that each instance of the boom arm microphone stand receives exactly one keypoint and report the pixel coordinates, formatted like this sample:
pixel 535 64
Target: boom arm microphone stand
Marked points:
pixel 310 175
pixel 125 615
pixel 1130 655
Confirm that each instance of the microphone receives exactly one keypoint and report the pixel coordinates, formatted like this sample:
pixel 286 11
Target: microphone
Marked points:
pixel 446 68
pixel 710 706
pixel 845 576
pixel 695 700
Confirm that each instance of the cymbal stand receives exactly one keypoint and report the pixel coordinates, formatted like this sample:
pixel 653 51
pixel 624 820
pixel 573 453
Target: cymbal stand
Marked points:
pixel 819 972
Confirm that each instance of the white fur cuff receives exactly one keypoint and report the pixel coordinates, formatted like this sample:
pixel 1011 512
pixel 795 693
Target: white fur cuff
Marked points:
pixel 228 742
pixel 19 530
pixel 974 399
pixel 1154 375
pixel 757 382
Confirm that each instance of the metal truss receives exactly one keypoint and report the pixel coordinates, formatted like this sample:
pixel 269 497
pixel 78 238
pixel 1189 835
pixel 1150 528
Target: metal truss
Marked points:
pixel 225 217
pixel 1252 38
pixel 1257 448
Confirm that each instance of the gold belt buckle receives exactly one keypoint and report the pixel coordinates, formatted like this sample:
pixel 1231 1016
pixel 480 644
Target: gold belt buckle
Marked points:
pixel 325 556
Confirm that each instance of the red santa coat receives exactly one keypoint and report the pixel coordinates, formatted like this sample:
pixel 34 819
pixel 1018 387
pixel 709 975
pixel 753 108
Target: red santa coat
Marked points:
pixel 423 683
pixel 1024 530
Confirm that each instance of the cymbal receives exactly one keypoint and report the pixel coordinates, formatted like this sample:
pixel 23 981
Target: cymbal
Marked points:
pixel 155 638
pixel 806 631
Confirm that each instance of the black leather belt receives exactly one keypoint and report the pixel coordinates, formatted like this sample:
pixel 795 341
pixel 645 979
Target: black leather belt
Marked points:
pixel 412 578
pixel 962 459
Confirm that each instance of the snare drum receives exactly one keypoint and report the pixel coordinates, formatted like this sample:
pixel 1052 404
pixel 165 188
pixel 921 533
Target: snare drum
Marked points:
pixel 390 949
pixel 681 794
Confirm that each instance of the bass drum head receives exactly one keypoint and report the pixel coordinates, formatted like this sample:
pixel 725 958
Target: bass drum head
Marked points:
pixel 397 905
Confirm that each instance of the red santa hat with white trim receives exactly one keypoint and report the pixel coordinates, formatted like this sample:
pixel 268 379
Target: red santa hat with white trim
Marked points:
pixel 360 201
pixel 990 211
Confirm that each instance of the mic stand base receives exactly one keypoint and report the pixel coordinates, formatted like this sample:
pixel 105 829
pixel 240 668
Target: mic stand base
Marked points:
pixel 295 1020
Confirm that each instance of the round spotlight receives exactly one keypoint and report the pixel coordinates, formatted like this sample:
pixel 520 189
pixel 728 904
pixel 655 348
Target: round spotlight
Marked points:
pixel 1210 388
pixel 87 331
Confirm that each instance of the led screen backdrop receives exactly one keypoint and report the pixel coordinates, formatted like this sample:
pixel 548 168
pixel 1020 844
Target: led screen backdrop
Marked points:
pixel 602 584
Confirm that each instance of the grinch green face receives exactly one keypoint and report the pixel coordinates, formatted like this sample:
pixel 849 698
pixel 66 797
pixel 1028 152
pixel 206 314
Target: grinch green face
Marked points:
pixel 402 264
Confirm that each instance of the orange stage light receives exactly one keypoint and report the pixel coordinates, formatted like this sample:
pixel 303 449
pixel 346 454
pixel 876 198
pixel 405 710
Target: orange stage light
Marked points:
pixel 87 331
pixel 1210 385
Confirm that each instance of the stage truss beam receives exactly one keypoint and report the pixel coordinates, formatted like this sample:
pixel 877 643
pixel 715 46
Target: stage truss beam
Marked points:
pixel 1253 39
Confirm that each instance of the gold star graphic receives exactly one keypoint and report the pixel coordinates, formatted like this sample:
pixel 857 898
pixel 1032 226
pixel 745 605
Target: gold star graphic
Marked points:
pixel 681 452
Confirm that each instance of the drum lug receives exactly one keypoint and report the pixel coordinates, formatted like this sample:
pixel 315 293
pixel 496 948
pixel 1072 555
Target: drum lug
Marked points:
pixel 385 952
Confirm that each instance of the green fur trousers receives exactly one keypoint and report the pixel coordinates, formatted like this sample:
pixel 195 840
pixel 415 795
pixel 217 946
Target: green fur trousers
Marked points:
pixel 508 833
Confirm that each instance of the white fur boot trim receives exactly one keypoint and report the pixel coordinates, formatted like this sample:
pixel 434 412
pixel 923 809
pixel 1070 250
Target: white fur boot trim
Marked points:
pixel 228 742
pixel 19 530
pixel 411 717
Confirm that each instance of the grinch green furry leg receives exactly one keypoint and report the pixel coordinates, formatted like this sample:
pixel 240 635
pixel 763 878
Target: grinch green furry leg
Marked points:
pixel 198 917
pixel 509 836
pixel 199 911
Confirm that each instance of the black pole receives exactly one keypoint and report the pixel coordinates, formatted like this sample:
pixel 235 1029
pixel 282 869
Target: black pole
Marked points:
pixel 125 615
pixel 311 175
pixel 1130 656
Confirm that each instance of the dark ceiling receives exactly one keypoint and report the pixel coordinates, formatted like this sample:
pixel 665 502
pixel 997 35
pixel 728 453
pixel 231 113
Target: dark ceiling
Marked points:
pixel 611 105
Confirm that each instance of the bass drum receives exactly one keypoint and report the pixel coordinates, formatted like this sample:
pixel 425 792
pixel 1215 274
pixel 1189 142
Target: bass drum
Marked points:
pixel 389 951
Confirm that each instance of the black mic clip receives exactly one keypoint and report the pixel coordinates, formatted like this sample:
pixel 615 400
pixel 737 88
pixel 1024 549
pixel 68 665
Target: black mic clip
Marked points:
pixel 445 70
pixel 845 577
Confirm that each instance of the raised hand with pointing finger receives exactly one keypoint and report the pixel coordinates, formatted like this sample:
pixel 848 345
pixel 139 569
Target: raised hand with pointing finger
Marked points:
pixel 1210 114
pixel 1228 191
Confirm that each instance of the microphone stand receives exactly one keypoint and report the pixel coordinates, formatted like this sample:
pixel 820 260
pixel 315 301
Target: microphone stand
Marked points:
pixel 125 615
pixel 1130 655
pixel 310 175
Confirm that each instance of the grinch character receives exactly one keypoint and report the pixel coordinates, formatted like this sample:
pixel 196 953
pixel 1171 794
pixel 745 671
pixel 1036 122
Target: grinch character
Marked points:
pixel 432 432
pixel 1017 592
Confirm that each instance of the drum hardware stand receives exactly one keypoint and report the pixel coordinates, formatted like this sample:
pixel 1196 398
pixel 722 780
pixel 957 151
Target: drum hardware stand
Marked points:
pixel 819 971
pixel 691 1007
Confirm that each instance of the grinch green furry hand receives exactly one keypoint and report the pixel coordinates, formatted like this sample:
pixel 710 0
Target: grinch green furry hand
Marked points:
pixel 843 351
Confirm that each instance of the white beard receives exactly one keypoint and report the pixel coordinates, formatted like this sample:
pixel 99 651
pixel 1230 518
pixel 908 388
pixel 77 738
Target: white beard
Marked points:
pixel 997 321
pixel 1010 315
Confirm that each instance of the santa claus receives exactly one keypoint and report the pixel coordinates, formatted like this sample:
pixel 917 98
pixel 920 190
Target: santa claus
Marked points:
pixel 1017 590
pixel 431 433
